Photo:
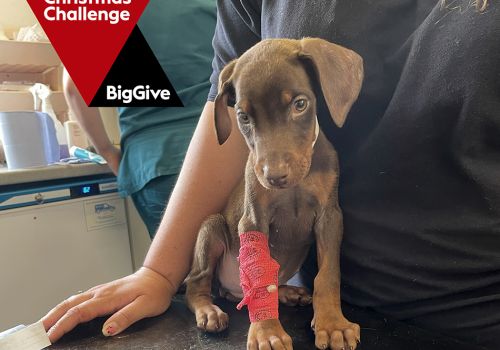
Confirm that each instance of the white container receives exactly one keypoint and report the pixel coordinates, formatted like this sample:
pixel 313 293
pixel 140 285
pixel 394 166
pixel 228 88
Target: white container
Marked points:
pixel 29 139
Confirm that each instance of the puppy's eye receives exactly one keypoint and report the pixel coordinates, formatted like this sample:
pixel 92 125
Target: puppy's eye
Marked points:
pixel 243 117
pixel 300 104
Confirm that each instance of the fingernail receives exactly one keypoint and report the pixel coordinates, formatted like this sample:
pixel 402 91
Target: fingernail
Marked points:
pixel 110 329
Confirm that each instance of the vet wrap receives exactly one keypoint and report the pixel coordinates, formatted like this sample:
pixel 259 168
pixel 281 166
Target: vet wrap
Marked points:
pixel 258 277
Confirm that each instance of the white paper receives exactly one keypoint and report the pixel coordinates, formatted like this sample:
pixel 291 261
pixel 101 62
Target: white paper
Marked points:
pixel 32 337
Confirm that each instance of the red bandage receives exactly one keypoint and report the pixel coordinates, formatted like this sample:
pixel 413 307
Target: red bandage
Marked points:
pixel 258 277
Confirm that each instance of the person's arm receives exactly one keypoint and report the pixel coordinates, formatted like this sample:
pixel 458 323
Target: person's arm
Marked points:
pixel 90 120
pixel 210 171
pixel 208 175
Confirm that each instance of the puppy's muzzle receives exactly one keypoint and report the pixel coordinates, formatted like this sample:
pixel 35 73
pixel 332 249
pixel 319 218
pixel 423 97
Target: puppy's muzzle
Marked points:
pixel 276 176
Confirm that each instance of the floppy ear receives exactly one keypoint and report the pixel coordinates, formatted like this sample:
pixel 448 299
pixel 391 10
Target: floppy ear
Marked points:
pixel 339 72
pixel 221 113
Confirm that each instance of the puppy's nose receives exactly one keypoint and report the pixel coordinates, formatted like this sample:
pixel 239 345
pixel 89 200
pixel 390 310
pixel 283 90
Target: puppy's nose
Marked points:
pixel 278 181
pixel 276 173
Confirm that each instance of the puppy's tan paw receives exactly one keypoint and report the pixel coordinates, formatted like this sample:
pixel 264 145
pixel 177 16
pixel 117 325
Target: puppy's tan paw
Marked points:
pixel 268 334
pixel 211 318
pixel 293 296
pixel 336 333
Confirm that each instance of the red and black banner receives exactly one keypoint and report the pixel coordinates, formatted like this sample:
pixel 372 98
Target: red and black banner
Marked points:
pixel 105 53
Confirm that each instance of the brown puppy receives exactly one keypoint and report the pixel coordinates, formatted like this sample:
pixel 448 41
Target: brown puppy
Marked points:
pixel 289 191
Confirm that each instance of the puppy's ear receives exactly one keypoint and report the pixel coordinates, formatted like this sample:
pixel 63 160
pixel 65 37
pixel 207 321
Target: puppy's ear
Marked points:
pixel 225 95
pixel 339 72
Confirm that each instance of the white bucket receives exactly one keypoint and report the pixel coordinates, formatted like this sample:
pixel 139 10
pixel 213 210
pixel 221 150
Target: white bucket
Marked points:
pixel 29 139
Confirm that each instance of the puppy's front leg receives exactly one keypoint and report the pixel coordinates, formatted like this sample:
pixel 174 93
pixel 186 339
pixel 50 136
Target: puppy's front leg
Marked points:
pixel 210 246
pixel 332 329
pixel 259 281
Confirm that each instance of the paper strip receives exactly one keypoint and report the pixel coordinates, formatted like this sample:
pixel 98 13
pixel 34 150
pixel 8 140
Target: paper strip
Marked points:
pixel 32 337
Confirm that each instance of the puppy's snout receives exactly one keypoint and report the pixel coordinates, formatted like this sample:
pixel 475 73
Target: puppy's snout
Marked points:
pixel 279 181
pixel 276 176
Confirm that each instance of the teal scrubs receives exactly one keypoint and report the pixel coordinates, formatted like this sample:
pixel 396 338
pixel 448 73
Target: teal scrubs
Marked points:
pixel 154 140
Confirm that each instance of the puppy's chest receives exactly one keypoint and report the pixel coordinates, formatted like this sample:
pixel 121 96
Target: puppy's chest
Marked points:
pixel 292 219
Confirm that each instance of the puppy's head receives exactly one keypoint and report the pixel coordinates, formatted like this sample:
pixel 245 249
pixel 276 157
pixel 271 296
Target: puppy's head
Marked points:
pixel 272 86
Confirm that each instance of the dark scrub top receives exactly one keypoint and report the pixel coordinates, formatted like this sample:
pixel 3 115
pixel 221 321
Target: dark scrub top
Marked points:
pixel 419 153
pixel 154 140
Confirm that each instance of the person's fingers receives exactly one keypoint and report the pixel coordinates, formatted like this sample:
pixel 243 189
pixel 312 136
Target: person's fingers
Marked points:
pixel 80 313
pixel 138 309
pixel 131 298
pixel 57 312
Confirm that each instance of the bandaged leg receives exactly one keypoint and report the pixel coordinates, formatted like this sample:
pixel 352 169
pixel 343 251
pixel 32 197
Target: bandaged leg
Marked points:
pixel 258 277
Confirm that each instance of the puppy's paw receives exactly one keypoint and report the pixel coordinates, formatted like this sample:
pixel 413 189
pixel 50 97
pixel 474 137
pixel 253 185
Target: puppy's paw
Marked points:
pixel 211 318
pixel 268 334
pixel 293 296
pixel 335 333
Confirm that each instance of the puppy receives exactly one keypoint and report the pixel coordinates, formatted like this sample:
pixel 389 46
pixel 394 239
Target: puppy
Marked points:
pixel 287 199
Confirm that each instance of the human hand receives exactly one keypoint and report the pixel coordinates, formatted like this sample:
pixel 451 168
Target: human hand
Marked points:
pixel 145 293
pixel 113 156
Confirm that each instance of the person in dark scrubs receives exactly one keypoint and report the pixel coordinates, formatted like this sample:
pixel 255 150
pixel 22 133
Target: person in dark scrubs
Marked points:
pixel 419 164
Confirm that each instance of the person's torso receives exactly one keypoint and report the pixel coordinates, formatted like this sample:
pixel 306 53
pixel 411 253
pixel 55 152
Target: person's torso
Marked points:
pixel 420 151
pixel 154 140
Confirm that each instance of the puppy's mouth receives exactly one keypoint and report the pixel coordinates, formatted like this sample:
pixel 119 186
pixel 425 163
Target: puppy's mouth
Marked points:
pixel 277 187
pixel 272 179
pixel 279 184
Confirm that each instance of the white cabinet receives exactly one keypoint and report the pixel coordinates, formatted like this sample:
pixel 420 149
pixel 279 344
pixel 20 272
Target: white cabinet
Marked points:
pixel 57 239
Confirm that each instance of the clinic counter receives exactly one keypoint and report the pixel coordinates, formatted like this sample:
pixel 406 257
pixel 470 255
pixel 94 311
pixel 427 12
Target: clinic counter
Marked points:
pixel 51 172
pixel 176 329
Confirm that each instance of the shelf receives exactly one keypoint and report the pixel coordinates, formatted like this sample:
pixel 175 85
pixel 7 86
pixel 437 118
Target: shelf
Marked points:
pixel 30 62
pixel 24 61
pixel 12 101
pixel 27 57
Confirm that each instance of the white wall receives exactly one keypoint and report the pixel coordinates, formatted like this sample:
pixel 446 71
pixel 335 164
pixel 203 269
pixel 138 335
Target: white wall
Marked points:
pixel 15 14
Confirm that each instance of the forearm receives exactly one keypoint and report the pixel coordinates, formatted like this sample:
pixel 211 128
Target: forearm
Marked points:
pixel 89 118
pixel 208 175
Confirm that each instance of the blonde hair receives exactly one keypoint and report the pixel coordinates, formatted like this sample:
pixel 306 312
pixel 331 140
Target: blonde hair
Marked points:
pixel 480 5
